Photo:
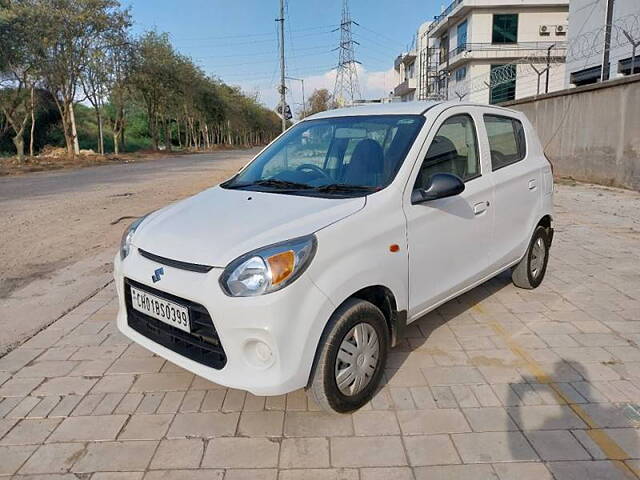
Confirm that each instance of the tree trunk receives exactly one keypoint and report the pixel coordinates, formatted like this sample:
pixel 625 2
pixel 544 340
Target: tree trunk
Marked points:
pixel 74 132
pixel 116 142
pixel 18 141
pixel 33 121
pixel 167 134
pixel 100 130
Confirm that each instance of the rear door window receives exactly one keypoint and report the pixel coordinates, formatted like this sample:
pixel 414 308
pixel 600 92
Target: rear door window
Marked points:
pixel 506 140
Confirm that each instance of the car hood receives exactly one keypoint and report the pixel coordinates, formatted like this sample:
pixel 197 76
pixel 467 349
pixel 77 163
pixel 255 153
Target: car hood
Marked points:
pixel 218 225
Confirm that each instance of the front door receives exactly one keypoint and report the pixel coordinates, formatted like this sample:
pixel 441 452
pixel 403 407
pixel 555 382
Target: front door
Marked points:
pixel 449 238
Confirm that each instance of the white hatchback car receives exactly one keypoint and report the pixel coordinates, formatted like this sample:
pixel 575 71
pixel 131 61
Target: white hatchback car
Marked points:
pixel 305 268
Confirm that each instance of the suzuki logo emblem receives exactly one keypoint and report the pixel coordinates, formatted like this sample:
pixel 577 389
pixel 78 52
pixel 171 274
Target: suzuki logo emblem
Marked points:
pixel 157 275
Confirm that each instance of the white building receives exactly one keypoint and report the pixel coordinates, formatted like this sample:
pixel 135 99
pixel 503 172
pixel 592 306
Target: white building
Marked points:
pixel 411 67
pixel 491 51
pixel 585 56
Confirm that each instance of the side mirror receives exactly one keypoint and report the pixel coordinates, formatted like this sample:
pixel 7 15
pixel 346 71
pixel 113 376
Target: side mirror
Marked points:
pixel 440 185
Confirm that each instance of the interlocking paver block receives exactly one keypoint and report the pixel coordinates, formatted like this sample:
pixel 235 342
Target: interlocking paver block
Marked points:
pixel 206 425
pixel 455 472
pixel 65 386
pixel 425 450
pixel 146 427
pixel 598 469
pixel 89 428
pixel 30 431
pixel 304 453
pixel 422 422
pixel 522 471
pixel 310 424
pixel 392 473
pixel 367 452
pixel 53 458
pixel 13 457
pixel 367 423
pixel 554 445
pixel 115 456
pixel 178 453
pixel 545 417
pixel 261 424
pixel 241 453
pixel 490 447
pixel 161 382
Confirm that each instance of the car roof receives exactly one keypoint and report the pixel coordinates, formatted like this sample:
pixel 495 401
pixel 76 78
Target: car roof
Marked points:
pixel 397 108
pixel 393 108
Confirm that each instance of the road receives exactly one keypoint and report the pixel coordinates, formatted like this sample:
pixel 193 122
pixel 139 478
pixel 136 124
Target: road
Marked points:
pixel 61 229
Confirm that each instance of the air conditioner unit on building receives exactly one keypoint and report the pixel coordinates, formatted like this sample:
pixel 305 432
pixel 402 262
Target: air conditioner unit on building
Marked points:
pixel 561 30
pixel 544 30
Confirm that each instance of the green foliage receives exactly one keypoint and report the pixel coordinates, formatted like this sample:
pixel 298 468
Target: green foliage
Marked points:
pixel 140 89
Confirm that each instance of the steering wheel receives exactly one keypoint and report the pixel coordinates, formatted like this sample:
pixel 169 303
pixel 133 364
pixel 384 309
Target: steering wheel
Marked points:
pixel 314 168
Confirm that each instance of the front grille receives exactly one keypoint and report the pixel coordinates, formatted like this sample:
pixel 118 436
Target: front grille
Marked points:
pixel 202 345
pixel 191 267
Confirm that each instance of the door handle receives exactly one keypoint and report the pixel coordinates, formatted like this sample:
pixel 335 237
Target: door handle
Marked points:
pixel 532 184
pixel 478 208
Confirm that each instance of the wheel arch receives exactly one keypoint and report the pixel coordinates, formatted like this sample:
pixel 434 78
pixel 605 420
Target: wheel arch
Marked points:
pixel 383 298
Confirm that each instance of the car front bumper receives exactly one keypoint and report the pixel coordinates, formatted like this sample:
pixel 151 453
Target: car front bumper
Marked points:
pixel 289 322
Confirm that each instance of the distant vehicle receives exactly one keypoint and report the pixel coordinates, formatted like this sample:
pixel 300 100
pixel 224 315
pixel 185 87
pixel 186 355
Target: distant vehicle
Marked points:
pixel 306 267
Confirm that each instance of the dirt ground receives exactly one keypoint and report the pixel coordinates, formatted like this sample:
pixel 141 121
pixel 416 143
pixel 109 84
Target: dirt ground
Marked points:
pixel 56 161
pixel 52 221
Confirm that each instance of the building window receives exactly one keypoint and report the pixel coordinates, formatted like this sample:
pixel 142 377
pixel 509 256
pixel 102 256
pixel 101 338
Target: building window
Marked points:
pixel 624 65
pixel 504 89
pixel 461 73
pixel 586 77
pixel 444 48
pixel 462 35
pixel 505 28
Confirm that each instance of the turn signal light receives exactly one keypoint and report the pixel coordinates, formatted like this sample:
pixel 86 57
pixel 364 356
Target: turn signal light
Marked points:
pixel 281 266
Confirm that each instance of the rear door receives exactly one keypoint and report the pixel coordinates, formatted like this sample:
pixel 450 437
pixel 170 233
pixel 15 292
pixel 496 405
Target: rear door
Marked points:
pixel 517 181
pixel 449 238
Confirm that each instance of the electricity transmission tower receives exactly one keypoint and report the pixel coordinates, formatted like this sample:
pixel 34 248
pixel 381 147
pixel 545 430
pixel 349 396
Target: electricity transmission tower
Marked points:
pixel 346 89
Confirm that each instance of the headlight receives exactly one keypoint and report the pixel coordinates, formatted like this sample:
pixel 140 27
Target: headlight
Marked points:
pixel 125 243
pixel 268 269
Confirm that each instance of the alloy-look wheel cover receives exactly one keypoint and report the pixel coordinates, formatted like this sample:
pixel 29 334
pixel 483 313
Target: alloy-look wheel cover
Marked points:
pixel 538 255
pixel 357 359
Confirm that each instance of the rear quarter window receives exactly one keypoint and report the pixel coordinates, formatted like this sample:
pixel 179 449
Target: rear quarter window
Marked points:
pixel 506 140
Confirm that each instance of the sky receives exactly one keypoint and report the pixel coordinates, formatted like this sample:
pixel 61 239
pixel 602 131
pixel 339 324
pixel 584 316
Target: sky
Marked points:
pixel 237 41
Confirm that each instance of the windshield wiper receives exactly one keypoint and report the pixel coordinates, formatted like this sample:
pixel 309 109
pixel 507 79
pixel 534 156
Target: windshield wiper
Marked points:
pixel 344 187
pixel 272 182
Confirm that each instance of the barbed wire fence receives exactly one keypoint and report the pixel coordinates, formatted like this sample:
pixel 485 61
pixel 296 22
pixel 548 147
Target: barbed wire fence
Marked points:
pixel 529 69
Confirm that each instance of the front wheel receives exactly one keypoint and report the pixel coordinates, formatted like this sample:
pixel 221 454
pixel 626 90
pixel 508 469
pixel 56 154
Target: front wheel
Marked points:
pixel 529 272
pixel 351 357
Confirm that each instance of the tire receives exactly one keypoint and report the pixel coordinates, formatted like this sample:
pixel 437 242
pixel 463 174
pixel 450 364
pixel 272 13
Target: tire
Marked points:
pixel 530 271
pixel 354 319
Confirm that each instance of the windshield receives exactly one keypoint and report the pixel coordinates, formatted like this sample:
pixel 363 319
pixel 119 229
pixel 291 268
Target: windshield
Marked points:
pixel 342 156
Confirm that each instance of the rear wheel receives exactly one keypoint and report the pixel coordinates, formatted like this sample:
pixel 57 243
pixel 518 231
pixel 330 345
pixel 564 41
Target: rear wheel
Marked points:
pixel 351 358
pixel 529 272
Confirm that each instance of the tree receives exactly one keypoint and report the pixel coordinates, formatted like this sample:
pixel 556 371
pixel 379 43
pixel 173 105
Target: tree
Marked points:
pixel 68 32
pixel 119 65
pixel 155 77
pixel 319 101
pixel 17 73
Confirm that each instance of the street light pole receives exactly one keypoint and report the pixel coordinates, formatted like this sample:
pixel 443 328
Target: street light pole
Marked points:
pixel 283 88
pixel 304 105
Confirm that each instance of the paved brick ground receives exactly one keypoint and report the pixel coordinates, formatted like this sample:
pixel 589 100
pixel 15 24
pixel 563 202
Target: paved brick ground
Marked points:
pixel 500 384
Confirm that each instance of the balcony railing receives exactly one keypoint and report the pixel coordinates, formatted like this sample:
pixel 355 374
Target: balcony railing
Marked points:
pixel 445 13
pixel 496 50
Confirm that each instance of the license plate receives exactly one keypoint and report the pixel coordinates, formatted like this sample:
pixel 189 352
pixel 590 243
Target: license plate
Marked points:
pixel 164 310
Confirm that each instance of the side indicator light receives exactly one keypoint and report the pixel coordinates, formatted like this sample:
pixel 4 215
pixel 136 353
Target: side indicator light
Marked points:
pixel 394 247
